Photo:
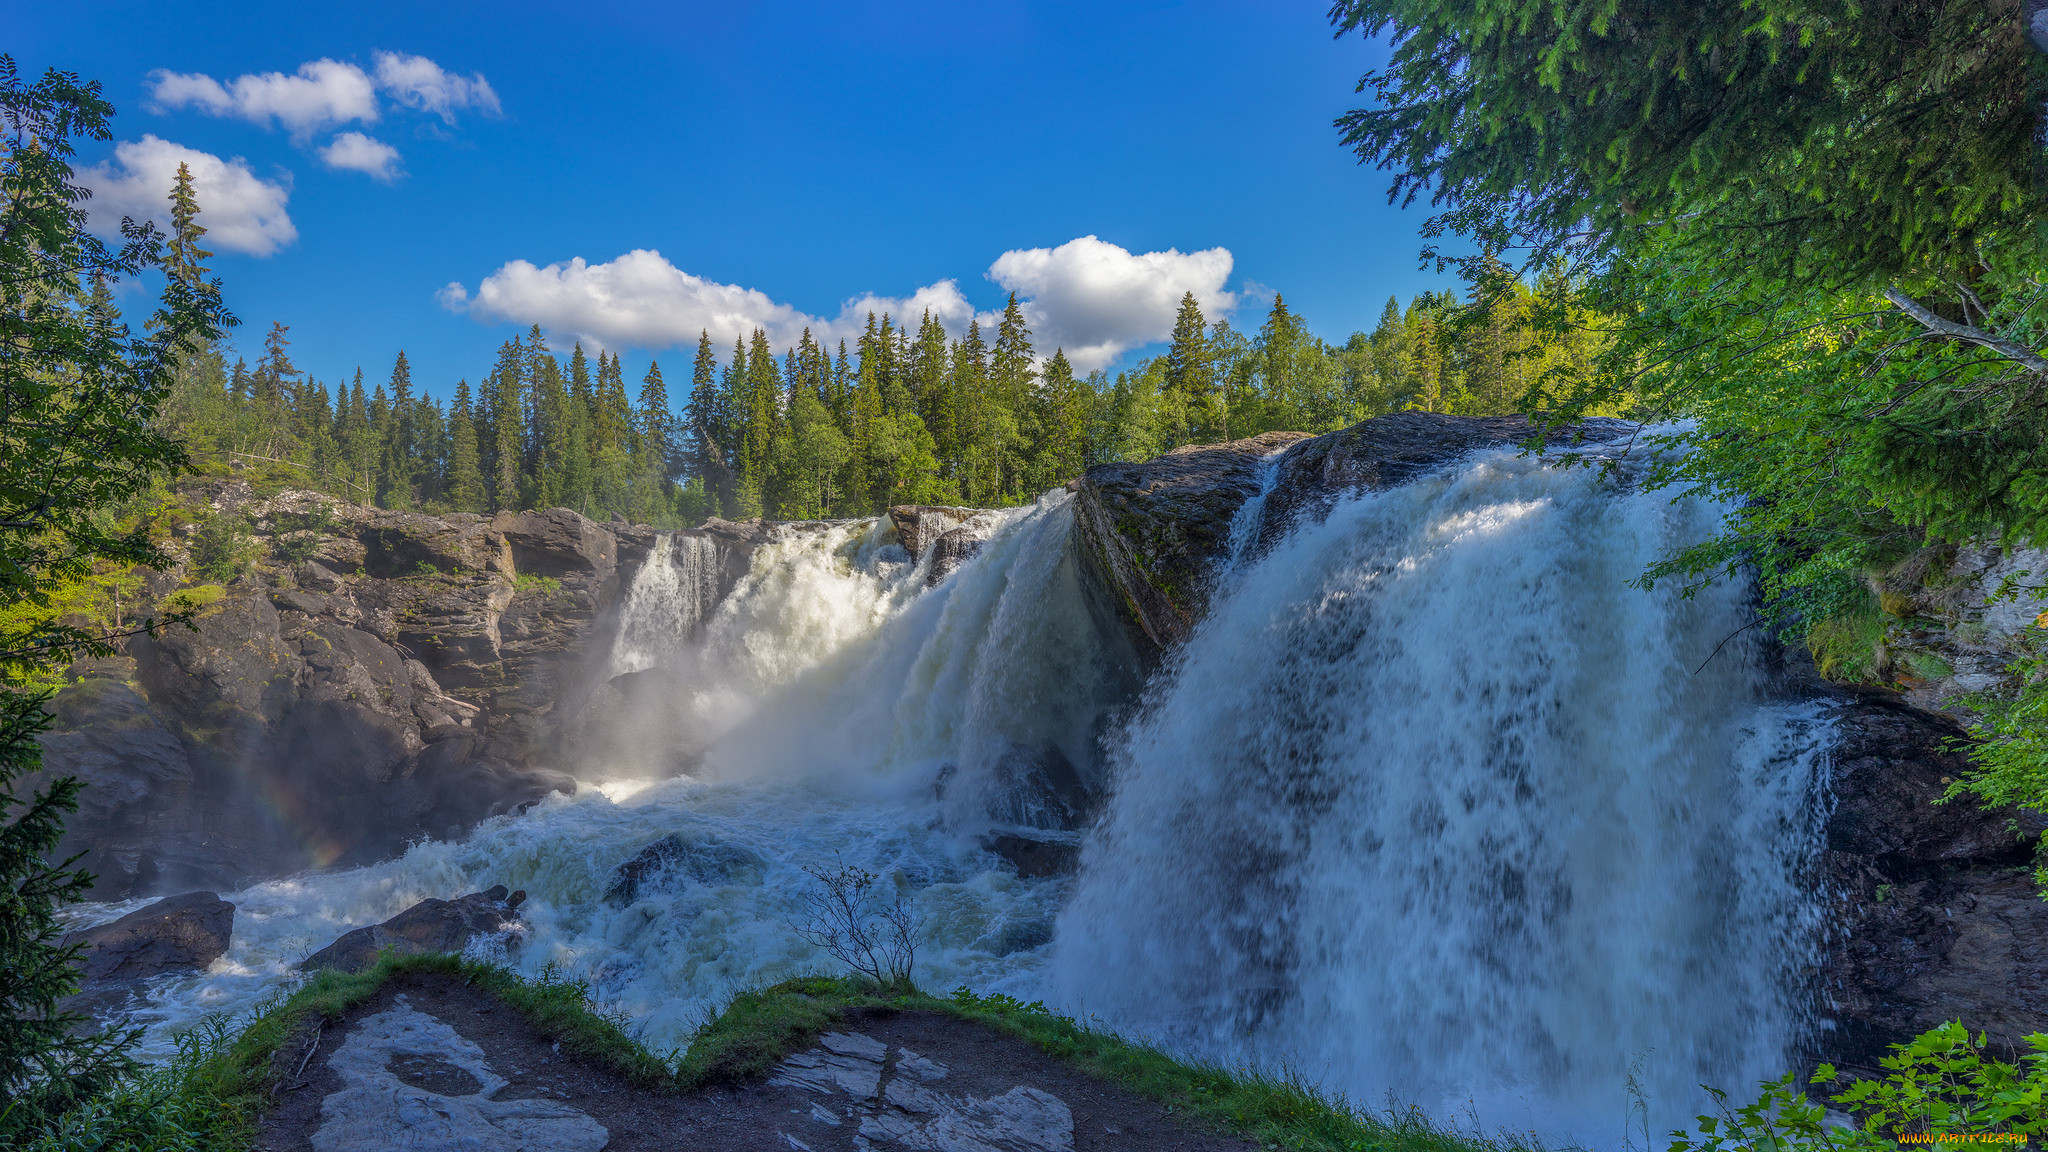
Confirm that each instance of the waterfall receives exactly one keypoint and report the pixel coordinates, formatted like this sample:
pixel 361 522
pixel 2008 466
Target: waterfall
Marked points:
pixel 671 595
pixel 848 714
pixel 1435 803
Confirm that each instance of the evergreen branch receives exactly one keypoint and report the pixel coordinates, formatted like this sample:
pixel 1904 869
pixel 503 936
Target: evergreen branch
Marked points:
pixel 2026 357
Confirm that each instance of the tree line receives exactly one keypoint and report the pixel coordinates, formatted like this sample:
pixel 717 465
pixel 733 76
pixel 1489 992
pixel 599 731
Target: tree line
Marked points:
pixel 904 416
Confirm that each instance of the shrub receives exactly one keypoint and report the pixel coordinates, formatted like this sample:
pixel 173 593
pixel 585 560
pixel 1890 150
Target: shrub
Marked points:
pixel 1938 1085
pixel 223 548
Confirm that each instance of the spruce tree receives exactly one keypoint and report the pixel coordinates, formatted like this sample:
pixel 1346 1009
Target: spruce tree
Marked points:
pixel 1190 373
pixel 506 388
pixel 465 477
pixel 183 256
pixel 395 470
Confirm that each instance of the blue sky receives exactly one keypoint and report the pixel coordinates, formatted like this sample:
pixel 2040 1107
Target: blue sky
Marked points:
pixel 782 159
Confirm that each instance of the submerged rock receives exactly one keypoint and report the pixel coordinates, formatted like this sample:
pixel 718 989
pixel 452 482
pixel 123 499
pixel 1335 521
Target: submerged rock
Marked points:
pixel 428 926
pixel 1034 856
pixel 178 934
pixel 673 857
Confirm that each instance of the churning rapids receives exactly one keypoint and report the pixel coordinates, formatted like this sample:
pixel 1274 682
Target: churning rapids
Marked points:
pixel 1433 803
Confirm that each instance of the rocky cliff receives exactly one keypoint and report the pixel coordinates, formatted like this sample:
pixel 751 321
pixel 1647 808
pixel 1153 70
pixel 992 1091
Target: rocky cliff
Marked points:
pixel 373 679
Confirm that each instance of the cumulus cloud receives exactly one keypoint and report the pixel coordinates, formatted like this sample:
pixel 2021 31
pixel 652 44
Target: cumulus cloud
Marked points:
pixel 418 82
pixel 355 152
pixel 241 211
pixel 1098 300
pixel 323 94
pixel 328 93
pixel 1093 298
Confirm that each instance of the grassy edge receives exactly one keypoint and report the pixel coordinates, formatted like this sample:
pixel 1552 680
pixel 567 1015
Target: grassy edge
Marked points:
pixel 759 1027
pixel 209 1099
pixel 210 1096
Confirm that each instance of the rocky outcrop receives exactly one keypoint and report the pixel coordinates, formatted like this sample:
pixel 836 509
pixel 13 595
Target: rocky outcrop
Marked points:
pixel 919 526
pixel 1934 913
pixel 178 934
pixel 428 926
pixel 1153 532
pixel 375 678
pixel 1391 450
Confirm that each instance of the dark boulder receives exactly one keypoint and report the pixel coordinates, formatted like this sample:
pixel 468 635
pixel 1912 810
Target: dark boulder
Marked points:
pixel 1033 856
pixel 428 926
pixel 674 857
pixel 957 546
pixel 1934 912
pixel 178 934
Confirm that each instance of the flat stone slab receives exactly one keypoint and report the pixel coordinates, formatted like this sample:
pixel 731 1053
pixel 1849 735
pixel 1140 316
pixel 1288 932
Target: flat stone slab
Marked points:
pixel 403 1077
pixel 431 1064
pixel 900 1101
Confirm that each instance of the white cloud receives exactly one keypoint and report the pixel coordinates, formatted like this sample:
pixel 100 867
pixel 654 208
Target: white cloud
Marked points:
pixel 356 152
pixel 418 82
pixel 241 212
pixel 1098 300
pixel 324 93
pixel 1092 298
pixel 327 93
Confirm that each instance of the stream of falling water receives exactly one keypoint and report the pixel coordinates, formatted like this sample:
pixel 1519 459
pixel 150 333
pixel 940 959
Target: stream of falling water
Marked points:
pixel 1435 804
pixel 1432 803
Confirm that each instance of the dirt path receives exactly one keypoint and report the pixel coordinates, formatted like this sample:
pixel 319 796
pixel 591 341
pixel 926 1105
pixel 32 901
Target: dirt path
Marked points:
pixel 431 1063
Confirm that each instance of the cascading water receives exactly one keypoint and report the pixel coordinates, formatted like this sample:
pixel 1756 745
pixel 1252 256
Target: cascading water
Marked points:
pixel 1434 803
pixel 834 693
pixel 672 594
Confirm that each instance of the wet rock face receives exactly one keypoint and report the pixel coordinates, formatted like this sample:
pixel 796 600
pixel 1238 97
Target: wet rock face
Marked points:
pixel 178 934
pixel 392 677
pixel 1153 532
pixel 428 926
pixel 1934 914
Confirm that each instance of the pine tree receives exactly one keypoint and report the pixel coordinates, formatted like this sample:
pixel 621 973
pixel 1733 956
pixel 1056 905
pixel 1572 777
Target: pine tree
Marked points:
pixel 395 471
pixel 465 477
pixel 505 388
pixel 1191 374
pixel 183 259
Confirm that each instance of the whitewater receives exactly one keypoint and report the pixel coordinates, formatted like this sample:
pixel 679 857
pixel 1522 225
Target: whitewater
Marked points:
pixel 1433 802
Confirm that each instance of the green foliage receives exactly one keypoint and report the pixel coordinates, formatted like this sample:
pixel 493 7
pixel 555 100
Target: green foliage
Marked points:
pixel 223 549
pixel 78 390
pixel 2010 754
pixel 1939 1085
pixel 1816 143
pixel 534 585
pixel 1849 647
pixel 194 598
pixel 163 1108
